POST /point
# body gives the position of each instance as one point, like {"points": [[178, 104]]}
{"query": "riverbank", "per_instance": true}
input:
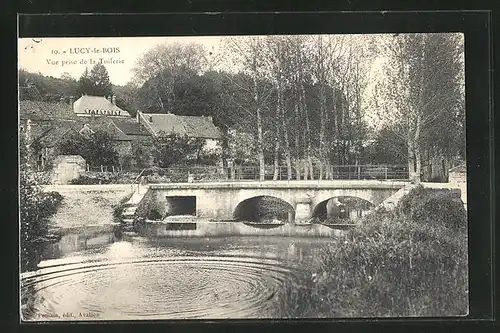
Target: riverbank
{"points": [[87, 205]]}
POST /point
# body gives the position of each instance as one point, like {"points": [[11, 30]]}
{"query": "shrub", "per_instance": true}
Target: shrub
{"points": [[430, 206], [49, 203], [120, 206], [174, 149], [442, 210], [36, 207], [92, 179], [153, 214]]}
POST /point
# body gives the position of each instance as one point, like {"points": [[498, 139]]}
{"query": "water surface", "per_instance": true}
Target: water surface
{"points": [[105, 276]]}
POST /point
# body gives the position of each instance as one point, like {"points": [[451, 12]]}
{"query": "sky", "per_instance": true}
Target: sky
{"points": [[62, 56], [55, 56]]}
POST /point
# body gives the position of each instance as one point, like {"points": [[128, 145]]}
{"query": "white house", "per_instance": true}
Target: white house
{"points": [[88, 105]]}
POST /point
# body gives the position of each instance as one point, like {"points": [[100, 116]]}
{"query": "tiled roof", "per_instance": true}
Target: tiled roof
{"points": [[38, 110], [120, 129], [130, 127], [98, 105], [194, 127], [55, 135], [54, 132], [117, 134]]}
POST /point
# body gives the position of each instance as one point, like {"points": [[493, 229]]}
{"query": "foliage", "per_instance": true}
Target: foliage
{"points": [[175, 149], [97, 148], [96, 177], [139, 156], [101, 178], [36, 86], [159, 71], [120, 206], [424, 94], [35, 208], [424, 205], [392, 265], [388, 148], [96, 82], [127, 98]]}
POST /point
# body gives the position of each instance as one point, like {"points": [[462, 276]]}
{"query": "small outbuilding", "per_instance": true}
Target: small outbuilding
{"points": [[67, 167]]}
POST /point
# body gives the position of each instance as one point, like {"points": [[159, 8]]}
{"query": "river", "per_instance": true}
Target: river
{"points": [[108, 275]]}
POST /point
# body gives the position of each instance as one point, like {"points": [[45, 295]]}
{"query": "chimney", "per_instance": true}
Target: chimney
{"points": [[113, 99], [150, 119], [108, 98], [137, 115], [71, 100]]}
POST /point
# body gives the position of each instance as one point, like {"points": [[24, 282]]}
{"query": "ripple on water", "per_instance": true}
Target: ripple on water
{"points": [[161, 288]]}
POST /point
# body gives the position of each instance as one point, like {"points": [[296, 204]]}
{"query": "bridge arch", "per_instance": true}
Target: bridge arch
{"points": [[260, 207], [340, 207]]}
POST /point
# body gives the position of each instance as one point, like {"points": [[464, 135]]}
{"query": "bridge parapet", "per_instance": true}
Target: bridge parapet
{"points": [[292, 184]]}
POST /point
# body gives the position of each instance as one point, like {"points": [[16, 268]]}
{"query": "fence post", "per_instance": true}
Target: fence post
{"points": [[386, 173], [359, 172], [101, 168], [113, 168]]}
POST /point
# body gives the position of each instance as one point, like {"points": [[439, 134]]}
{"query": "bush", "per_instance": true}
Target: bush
{"points": [[49, 203], [97, 148], [154, 215], [442, 210], [96, 178], [120, 206], [430, 206], [36, 207], [393, 264]]}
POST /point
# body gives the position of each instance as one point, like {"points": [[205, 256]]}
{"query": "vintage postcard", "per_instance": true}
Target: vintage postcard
{"points": [[242, 177]]}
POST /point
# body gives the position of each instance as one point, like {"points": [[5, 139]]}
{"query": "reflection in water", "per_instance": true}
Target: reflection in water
{"points": [[103, 277]]}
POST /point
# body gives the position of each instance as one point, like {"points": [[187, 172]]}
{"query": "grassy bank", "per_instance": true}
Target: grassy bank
{"points": [[409, 262], [88, 207]]}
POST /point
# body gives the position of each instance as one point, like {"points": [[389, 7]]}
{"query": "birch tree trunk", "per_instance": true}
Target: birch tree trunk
{"points": [[260, 145], [276, 153], [309, 166], [297, 139]]}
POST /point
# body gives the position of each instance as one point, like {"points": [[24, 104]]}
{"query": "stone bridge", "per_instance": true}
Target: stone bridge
{"points": [[220, 200]]}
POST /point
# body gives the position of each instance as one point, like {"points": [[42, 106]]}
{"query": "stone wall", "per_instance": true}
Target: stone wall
{"points": [[458, 176]]}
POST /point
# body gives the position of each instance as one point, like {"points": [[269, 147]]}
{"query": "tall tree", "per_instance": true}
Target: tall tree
{"points": [[249, 54], [160, 68], [96, 82], [425, 87]]}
